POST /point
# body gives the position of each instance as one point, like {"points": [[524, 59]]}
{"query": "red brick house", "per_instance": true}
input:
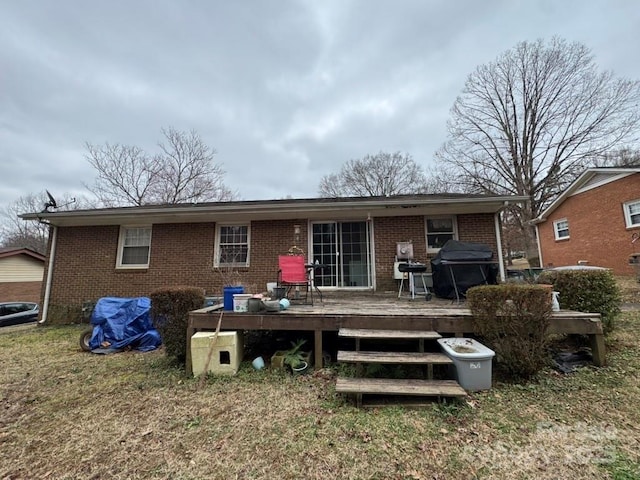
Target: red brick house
{"points": [[131, 251], [21, 273], [593, 222]]}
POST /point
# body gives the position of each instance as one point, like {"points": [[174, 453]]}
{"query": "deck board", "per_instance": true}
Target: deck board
{"points": [[404, 386], [373, 334], [406, 358]]}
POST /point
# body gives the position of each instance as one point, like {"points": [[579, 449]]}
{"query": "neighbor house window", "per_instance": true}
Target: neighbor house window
{"points": [[439, 231], [232, 246], [561, 229], [632, 213], [134, 247]]}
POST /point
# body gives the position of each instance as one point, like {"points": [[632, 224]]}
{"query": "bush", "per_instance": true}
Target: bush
{"points": [[513, 320], [170, 309], [593, 291]]}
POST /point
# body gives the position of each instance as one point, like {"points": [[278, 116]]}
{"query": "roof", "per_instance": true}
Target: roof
{"points": [[311, 208], [590, 178], [11, 251]]}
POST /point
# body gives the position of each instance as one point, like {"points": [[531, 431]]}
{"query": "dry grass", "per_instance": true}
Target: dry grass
{"points": [[66, 414]]}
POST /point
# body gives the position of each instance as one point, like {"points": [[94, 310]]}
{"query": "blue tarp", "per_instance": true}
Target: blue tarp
{"points": [[123, 322]]}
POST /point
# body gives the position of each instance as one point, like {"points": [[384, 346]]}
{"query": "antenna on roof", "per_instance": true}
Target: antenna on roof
{"points": [[51, 203]]}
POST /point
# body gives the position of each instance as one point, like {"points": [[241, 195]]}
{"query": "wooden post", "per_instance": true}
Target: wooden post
{"points": [[318, 348], [598, 349]]}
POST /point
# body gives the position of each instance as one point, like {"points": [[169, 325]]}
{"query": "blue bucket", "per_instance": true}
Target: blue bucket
{"points": [[229, 292]]}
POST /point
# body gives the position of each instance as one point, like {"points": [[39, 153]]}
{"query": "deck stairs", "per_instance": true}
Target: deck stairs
{"points": [[412, 391]]}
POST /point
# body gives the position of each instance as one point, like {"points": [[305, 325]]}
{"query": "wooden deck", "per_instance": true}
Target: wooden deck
{"points": [[384, 312]]}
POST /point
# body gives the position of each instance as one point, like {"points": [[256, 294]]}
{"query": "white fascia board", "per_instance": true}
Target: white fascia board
{"points": [[270, 211]]}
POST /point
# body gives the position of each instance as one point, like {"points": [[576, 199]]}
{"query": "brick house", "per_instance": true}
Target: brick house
{"points": [[21, 273], [131, 251], [593, 222]]}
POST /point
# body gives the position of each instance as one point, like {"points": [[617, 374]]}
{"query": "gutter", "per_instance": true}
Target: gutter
{"points": [[47, 287]]}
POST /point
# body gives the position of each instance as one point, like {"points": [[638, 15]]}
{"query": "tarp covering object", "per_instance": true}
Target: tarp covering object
{"points": [[466, 276], [123, 322]]}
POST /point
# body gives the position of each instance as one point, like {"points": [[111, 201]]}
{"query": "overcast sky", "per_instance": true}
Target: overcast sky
{"points": [[284, 91]]}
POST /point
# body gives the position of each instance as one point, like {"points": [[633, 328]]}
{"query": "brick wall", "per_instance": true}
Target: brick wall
{"points": [[597, 229], [20, 291], [183, 254], [477, 228]]}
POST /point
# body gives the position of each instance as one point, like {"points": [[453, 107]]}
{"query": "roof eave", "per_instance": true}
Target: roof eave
{"points": [[246, 211]]}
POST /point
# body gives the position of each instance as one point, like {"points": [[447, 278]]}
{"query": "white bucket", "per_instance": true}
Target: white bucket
{"points": [[271, 286], [241, 302]]}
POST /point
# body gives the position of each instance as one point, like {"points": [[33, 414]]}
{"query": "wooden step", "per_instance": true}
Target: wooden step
{"points": [[404, 358], [387, 386], [387, 334]]}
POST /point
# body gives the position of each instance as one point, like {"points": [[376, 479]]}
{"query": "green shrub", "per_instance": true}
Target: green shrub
{"points": [[513, 320], [593, 291], [170, 309]]}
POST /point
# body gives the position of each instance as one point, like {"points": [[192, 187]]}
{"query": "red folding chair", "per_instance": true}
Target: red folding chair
{"points": [[294, 277]]}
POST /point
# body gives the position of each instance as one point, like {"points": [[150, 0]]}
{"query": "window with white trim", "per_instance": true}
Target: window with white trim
{"points": [[232, 246], [134, 247], [439, 231], [561, 229], [632, 213]]}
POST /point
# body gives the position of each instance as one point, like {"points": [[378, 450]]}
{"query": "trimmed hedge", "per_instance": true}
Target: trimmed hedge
{"points": [[513, 320], [593, 291], [170, 309]]}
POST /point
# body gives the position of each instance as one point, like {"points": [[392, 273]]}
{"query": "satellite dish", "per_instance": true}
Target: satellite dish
{"points": [[51, 203]]}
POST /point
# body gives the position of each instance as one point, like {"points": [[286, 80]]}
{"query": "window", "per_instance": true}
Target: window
{"points": [[232, 247], [439, 231], [632, 213], [561, 229], [134, 247]]}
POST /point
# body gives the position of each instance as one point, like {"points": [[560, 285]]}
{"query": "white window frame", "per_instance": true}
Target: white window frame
{"points": [[454, 222], [557, 229], [627, 213], [121, 247], [216, 260]]}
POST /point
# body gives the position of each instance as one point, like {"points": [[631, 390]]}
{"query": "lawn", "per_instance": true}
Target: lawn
{"points": [[66, 414]]}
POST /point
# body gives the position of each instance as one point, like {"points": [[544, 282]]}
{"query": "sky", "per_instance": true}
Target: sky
{"points": [[285, 91]]}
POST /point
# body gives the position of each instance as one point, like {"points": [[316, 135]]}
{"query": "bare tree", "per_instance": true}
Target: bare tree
{"points": [[188, 172], [375, 175], [15, 232], [126, 175], [183, 171], [532, 120], [622, 157]]}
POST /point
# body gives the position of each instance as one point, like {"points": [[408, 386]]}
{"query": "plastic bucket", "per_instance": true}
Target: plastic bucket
{"points": [[228, 293], [271, 286], [241, 302], [258, 363], [279, 292]]}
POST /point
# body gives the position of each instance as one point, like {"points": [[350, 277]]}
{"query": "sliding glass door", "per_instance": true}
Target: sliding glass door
{"points": [[344, 248]]}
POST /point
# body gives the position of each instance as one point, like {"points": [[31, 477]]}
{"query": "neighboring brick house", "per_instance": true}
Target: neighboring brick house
{"points": [[21, 273], [594, 222], [131, 251]]}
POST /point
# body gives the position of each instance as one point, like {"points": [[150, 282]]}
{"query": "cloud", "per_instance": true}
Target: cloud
{"points": [[284, 91]]}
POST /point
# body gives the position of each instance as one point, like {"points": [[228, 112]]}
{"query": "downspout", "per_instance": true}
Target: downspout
{"points": [[496, 219], [539, 249], [47, 287]]}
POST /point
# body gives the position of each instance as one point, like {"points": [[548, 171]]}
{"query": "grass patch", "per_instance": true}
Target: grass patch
{"points": [[67, 414]]}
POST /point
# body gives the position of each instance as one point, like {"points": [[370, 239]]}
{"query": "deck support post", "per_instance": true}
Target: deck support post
{"points": [[598, 349], [317, 355]]}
